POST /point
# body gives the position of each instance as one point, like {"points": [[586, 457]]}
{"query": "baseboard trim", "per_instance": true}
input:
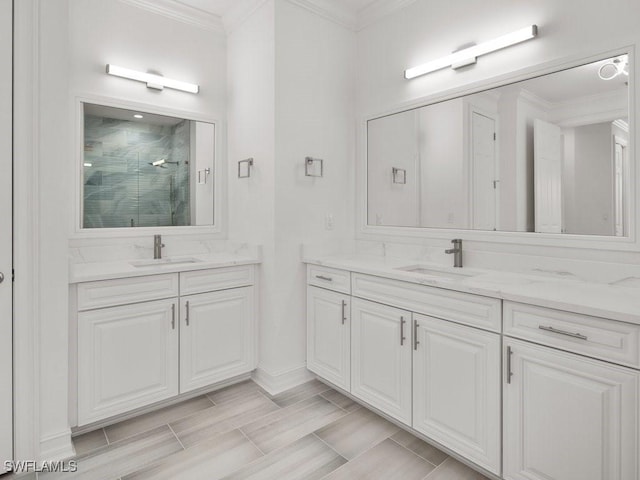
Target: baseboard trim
{"points": [[276, 383], [57, 446]]}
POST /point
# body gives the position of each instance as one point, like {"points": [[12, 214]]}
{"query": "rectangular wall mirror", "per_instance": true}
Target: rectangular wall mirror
{"points": [[549, 154], [145, 170]]}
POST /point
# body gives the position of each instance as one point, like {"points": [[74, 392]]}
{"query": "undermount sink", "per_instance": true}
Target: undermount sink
{"points": [[162, 261], [432, 272]]}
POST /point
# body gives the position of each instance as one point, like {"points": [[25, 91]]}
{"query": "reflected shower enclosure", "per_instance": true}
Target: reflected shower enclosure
{"points": [[138, 169]]}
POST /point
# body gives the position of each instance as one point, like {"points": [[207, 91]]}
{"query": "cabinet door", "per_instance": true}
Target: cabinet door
{"points": [[568, 417], [328, 335], [456, 388], [381, 357], [127, 358], [216, 337]]}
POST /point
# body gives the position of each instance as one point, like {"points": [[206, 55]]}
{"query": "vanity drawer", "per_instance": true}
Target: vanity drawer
{"points": [[601, 338], [201, 281], [465, 308], [331, 278], [122, 291]]}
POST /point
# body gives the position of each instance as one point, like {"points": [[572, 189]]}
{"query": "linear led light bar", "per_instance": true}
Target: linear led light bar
{"points": [[152, 80], [468, 56]]}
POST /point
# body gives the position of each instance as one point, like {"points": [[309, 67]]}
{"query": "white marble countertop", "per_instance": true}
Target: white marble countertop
{"points": [[91, 271], [618, 300]]}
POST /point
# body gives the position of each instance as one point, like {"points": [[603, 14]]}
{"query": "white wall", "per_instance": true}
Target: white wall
{"points": [[426, 30], [290, 96]]}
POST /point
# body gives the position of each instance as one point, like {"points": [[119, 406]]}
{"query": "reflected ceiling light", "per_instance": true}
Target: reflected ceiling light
{"points": [[617, 66], [152, 80], [467, 56], [137, 115]]}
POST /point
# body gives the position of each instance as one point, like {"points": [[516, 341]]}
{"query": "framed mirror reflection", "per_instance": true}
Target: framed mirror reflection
{"points": [[549, 154], [141, 169]]}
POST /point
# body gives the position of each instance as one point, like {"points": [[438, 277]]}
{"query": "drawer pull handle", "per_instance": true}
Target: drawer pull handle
{"points": [[563, 332], [173, 316], [415, 334], [186, 317], [344, 306], [402, 337], [322, 277], [509, 373]]}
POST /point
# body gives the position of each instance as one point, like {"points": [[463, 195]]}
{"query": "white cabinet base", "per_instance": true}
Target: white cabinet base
{"points": [[381, 357], [456, 389], [216, 337], [568, 417], [329, 335], [127, 358]]}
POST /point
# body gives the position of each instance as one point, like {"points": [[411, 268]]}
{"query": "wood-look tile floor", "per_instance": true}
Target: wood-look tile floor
{"points": [[241, 432]]}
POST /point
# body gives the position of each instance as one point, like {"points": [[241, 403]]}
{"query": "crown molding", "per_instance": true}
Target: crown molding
{"points": [[183, 13], [240, 12], [331, 10], [377, 10]]}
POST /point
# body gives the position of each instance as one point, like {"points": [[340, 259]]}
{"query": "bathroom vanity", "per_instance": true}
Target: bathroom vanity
{"points": [[506, 371], [150, 331]]}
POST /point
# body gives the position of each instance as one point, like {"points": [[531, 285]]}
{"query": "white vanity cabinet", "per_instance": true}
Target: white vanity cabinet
{"points": [[568, 416], [329, 335], [142, 340], [127, 358], [456, 388], [216, 337], [381, 357]]}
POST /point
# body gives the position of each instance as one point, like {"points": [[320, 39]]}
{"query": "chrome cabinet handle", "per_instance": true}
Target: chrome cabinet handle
{"points": [[344, 306], [402, 337], [186, 317], [1, 277], [173, 316], [509, 373], [322, 277], [415, 335], [563, 332]]}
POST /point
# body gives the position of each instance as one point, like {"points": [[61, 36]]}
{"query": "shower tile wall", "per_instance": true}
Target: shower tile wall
{"points": [[121, 186]]}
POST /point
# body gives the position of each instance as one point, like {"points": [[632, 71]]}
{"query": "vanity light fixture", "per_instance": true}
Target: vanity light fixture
{"points": [[468, 56], [152, 80]]}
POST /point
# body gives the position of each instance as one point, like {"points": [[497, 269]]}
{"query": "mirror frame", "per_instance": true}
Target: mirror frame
{"points": [[364, 231], [219, 172]]}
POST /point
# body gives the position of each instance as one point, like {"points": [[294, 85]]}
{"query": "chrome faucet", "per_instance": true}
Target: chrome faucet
{"points": [[457, 252], [157, 246]]}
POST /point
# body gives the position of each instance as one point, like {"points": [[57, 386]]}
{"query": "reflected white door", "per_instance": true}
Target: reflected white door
{"points": [[547, 148], [619, 188], [485, 177], [6, 309]]}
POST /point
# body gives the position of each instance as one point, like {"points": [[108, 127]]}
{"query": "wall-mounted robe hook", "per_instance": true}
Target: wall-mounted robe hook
{"points": [[244, 168], [399, 175], [313, 167]]}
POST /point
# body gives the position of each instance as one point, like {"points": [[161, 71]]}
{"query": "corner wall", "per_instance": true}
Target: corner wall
{"points": [[291, 96]]}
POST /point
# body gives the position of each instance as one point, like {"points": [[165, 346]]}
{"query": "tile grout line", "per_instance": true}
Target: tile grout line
{"points": [[252, 442], [431, 473], [417, 455], [337, 453], [334, 403], [175, 435]]}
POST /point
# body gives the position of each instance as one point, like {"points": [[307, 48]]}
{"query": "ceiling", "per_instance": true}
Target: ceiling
{"points": [[221, 7]]}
